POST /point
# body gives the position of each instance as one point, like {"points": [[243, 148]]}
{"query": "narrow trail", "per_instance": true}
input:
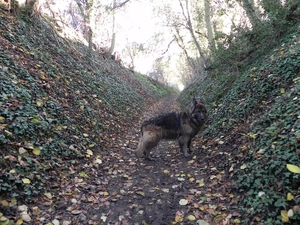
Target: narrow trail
{"points": [[119, 189]]}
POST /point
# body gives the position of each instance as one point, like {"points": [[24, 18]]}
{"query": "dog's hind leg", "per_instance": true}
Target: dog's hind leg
{"points": [[147, 142], [150, 141], [140, 151]]}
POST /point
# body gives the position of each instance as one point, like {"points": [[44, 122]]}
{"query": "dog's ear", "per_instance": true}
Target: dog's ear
{"points": [[193, 105]]}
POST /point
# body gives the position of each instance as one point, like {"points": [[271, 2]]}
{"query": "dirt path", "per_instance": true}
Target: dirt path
{"points": [[118, 189]]}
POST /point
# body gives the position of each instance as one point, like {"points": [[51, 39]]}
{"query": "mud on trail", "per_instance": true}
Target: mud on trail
{"points": [[119, 189]]}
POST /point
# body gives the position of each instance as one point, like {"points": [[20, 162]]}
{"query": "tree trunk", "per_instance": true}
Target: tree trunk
{"points": [[210, 35], [113, 38], [191, 30], [180, 43]]}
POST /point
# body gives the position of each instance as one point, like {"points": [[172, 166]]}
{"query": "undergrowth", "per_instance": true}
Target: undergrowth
{"points": [[260, 105], [57, 105]]}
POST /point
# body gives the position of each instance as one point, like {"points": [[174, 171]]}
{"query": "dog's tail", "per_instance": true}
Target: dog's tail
{"points": [[139, 152]]}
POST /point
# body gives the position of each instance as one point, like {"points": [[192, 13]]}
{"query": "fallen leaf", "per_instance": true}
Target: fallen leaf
{"points": [[290, 213], [284, 216], [36, 151], [202, 222], [39, 102], [4, 203], [289, 197], [178, 219], [293, 168], [76, 212], [26, 181], [191, 217], [25, 217], [201, 183], [183, 202], [166, 171], [22, 150]]}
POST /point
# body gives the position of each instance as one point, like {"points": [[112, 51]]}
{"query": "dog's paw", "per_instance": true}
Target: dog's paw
{"points": [[149, 158], [186, 155]]}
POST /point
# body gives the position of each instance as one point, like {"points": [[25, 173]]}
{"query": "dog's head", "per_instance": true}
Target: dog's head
{"points": [[197, 112]]}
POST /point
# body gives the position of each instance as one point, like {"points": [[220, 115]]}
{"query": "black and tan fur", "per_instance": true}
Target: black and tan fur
{"points": [[182, 126]]}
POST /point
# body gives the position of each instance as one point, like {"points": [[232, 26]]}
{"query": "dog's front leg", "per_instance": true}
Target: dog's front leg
{"points": [[183, 144], [189, 146]]}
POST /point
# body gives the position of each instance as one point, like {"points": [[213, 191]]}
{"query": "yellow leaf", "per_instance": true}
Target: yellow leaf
{"points": [[92, 145], [141, 193], [4, 203], [26, 181], [13, 202], [282, 91], [201, 183], [85, 135], [201, 208], [178, 219], [251, 135], [2, 126], [289, 197], [36, 151], [1, 119], [39, 102], [166, 172], [83, 174], [12, 171], [281, 53], [58, 127], [236, 221], [19, 222], [293, 168], [89, 152], [219, 218], [48, 195], [192, 179], [191, 218], [36, 119], [284, 216], [36, 210]]}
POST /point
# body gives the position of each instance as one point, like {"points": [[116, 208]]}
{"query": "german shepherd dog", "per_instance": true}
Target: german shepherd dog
{"points": [[182, 126]]}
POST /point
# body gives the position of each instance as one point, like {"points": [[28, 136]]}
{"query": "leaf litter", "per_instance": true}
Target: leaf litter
{"points": [[113, 187]]}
